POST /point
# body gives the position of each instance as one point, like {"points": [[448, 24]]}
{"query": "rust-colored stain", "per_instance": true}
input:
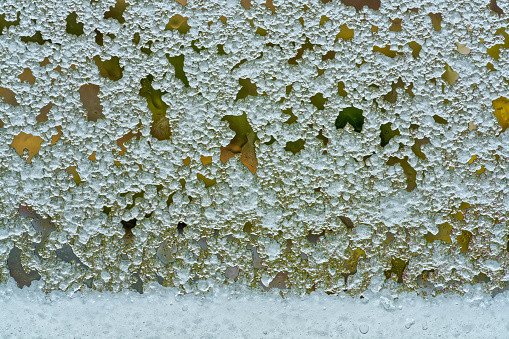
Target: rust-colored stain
{"points": [[436, 20], [270, 5], [206, 160], [56, 137], [359, 4], [126, 138], [243, 142], [44, 62]]}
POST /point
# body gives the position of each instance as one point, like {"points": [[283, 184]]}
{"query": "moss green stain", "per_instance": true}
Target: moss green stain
{"points": [[160, 128], [307, 45], [109, 68], [351, 263], [494, 51], [196, 48], [240, 125], [147, 49], [295, 146], [73, 27], [178, 63], [410, 172], [220, 49], [341, 89], [208, 182], [116, 12], [481, 278], [136, 38], [351, 115], [443, 234], [387, 133], [416, 148], [397, 267], [37, 38], [292, 118], [135, 196], [248, 88], [318, 101], [464, 240], [179, 23], [6, 24], [243, 142], [439, 120]]}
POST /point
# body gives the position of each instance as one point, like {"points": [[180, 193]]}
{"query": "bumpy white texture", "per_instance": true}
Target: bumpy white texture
{"points": [[290, 196], [248, 314]]}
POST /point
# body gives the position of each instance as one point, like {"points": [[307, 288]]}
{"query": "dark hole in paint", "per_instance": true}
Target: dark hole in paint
{"points": [[180, 227], [128, 226]]}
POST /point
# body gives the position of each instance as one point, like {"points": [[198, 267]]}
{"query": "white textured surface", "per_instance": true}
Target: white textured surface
{"points": [[249, 315], [290, 195]]}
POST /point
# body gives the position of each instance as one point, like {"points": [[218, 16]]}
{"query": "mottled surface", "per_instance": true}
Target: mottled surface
{"points": [[349, 145]]}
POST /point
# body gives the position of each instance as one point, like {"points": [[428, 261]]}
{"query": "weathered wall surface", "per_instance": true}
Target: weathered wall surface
{"points": [[293, 145]]}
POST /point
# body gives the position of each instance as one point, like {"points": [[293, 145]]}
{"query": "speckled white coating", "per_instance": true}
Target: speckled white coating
{"points": [[290, 195]]}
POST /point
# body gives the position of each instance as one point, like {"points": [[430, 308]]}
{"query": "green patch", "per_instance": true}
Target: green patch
{"points": [[410, 172], [439, 120], [6, 24], [307, 45], [178, 63], [387, 133], [243, 142], [73, 27], [494, 51], [341, 89], [147, 49], [179, 23], [397, 267], [109, 68], [196, 48], [351, 115], [116, 12], [464, 240], [443, 234], [37, 38], [292, 117], [220, 49], [295, 146], [248, 88], [318, 101], [416, 148], [160, 128], [208, 182]]}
